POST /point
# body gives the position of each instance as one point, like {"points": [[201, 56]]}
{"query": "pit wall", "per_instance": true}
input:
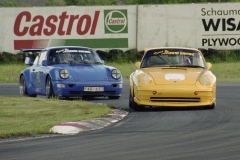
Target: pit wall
{"points": [[215, 26]]}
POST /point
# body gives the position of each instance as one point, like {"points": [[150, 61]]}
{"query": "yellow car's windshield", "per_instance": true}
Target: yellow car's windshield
{"points": [[173, 57]]}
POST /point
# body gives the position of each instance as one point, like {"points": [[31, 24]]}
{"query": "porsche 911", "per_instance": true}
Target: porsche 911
{"points": [[172, 77], [69, 71]]}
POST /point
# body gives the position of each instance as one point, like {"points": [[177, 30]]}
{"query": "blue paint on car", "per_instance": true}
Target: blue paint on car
{"points": [[69, 71]]}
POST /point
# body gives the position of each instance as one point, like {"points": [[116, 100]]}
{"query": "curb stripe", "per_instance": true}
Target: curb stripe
{"points": [[83, 126]]}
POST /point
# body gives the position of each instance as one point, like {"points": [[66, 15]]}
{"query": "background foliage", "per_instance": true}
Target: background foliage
{"points": [[117, 55], [24, 3]]}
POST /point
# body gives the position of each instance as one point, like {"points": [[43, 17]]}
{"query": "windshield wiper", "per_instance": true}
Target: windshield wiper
{"points": [[191, 66], [81, 62], [164, 60], [97, 63]]}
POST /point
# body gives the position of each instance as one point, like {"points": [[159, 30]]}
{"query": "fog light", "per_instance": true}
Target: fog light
{"points": [[154, 92], [60, 85], [120, 85]]}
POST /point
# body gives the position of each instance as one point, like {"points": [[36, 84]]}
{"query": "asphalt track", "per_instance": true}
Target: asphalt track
{"points": [[157, 133]]}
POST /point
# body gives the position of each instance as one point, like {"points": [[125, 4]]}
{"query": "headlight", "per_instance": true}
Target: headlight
{"points": [[116, 74], [64, 73], [143, 80], [205, 80]]}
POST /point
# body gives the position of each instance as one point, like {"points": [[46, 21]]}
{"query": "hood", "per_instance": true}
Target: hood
{"points": [[89, 72], [177, 75]]}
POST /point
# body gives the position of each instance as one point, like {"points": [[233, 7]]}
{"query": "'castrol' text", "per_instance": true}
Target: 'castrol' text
{"points": [[63, 24]]}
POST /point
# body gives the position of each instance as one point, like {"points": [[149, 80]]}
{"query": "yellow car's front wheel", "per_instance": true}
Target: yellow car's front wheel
{"points": [[210, 107], [133, 104]]}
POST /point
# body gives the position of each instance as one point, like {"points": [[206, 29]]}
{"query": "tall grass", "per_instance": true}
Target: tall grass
{"points": [[226, 65], [226, 71], [223, 56], [131, 2], [10, 72]]}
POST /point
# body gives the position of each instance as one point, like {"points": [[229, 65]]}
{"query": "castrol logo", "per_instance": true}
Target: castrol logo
{"points": [[63, 24], [115, 21]]}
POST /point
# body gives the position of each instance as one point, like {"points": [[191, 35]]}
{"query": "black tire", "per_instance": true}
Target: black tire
{"points": [[134, 105], [210, 107], [64, 98], [49, 88], [113, 97], [23, 87], [130, 99]]}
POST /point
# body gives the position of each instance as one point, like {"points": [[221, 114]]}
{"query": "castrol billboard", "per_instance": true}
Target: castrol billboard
{"points": [[209, 25], [98, 27], [215, 26]]}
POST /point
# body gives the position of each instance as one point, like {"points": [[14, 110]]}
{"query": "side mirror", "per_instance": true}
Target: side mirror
{"points": [[44, 63], [137, 64], [28, 61], [209, 65]]}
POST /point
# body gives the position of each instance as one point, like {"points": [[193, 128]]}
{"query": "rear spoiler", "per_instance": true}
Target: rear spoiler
{"points": [[26, 50]]}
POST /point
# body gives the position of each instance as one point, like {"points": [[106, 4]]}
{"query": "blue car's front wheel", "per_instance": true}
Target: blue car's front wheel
{"points": [[49, 88], [113, 97]]}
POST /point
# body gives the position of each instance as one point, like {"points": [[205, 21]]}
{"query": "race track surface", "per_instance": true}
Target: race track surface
{"points": [[156, 133]]}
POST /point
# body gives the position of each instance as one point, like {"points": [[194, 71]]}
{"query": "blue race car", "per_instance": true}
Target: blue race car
{"points": [[69, 71]]}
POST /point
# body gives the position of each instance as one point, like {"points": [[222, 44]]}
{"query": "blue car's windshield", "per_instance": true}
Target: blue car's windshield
{"points": [[73, 56]]}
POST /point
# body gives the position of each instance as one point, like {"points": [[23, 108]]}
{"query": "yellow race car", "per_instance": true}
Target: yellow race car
{"points": [[172, 77]]}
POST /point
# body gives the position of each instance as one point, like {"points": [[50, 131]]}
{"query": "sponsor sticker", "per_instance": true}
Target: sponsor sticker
{"points": [[115, 21], [174, 77]]}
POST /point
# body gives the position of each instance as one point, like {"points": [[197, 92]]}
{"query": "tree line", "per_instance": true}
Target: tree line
{"points": [[29, 3]]}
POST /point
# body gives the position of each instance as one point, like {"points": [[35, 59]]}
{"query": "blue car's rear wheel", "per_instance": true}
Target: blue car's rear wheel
{"points": [[23, 87]]}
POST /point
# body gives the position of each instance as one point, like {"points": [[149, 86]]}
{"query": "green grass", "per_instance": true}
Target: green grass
{"points": [[224, 71], [227, 71], [10, 72], [31, 116]]}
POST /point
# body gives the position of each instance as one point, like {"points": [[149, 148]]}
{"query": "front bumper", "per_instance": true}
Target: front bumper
{"points": [[76, 89], [175, 96]]}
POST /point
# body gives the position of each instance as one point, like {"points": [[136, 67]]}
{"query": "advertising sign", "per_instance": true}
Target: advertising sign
{"points": [[99, 27], [214, 26], [220, 26]]}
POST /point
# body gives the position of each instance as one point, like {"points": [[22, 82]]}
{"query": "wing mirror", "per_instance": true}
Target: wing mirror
{"points": [[209, 65], [137, 64], [44, 63]]}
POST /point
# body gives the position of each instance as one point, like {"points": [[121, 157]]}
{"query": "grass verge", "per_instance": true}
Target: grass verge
{"points": [[32, 116], [227, 71], [224, 71]]}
